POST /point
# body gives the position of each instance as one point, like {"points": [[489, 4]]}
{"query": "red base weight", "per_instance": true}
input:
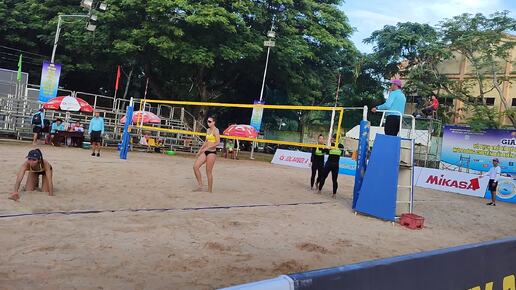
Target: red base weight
{"points": [[412, 221]]}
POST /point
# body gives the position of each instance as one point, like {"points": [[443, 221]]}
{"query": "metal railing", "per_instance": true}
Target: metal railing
{"points": [[412, 130], [16, 115]]}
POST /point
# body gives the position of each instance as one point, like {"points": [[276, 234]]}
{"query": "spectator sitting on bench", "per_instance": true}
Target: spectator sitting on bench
{"points": [[56, 126], [151, 143], [229, 148], [143, 141], [432, 106], [74, 127], [154, 144]]}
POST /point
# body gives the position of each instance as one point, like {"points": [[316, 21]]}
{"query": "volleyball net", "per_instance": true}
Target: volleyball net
{"points": [[329, 119]]}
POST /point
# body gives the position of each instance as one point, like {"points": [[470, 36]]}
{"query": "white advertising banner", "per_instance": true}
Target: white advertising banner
{"points": [[451, 181], [292, 158]]}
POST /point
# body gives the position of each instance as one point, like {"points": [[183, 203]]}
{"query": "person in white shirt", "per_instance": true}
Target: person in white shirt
{"points": [[494, 172]]}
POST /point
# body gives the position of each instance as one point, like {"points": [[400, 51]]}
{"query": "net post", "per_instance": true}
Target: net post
{"points": [[363, 147], [126, 138], [339, 124], [331, 127]]}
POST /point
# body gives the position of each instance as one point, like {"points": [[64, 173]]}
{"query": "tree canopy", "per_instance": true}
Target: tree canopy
{"points": [[196, 50], [416, 51], [212, 50]]}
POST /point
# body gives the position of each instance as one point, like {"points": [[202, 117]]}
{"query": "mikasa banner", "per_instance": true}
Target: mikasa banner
{"points": [[451, 181]]}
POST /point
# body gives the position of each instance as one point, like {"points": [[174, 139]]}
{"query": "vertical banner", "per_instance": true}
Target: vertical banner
{"points": [[256, 118], [363, 146], [49, 81]]}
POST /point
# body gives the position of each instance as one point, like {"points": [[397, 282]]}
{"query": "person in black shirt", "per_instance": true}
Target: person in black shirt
{"points": [[332, 165], [317, 161]]}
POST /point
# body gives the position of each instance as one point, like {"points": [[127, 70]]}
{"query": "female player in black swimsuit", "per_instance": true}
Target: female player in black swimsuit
{"points": [[332, 165], [207, 154], [35, 166], [317, 160]]}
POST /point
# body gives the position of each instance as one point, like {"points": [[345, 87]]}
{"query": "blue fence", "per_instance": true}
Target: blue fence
{"points": [[489, 265]]}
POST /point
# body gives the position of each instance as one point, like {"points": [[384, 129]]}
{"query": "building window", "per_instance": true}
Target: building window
{"points": [[446, 101], [472, 100], [514, 102], [490, 101]]}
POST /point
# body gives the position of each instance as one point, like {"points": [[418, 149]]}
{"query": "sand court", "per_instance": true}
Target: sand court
{"points": [[136, 224]]}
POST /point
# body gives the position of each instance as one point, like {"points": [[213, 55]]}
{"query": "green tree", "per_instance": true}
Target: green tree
{"points": [[485, 44], [416, 51], [413, 51], [197, 50]]}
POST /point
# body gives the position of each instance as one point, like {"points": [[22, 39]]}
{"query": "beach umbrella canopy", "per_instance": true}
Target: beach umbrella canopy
{"points": [[68, 103], [245, 131], [147, 117]]}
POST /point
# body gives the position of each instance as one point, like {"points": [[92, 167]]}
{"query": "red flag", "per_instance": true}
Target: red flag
{"points": [[117, 77]]}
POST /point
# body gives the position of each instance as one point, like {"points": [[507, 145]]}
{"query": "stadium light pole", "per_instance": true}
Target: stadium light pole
{"points": [[58, 31], [269, 43], [90, 26], [271, 34]]}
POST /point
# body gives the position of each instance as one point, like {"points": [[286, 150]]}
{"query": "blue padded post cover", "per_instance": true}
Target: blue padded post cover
{"points": [[378, 193]]}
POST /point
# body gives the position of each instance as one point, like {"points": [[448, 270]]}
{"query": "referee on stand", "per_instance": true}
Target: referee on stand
{"points": [[395, 102]]}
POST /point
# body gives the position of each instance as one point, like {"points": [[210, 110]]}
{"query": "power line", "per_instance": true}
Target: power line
{"points": [[25, 60], [24, 56], [23, 51], [15, 60]]}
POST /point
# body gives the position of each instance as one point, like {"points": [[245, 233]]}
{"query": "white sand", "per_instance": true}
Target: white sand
{"points": [[203, 249]]}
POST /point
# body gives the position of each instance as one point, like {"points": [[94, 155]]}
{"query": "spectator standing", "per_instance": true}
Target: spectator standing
{"points": [[96, 130], [38, 123], [494, 172]]}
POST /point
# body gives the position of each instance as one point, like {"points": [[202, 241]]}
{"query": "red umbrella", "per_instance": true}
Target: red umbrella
{"points": [[68, 103], [246, 131], [147, 117]]}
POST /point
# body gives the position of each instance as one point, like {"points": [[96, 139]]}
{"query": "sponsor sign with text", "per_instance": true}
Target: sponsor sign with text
{"points": [[451, 181]]}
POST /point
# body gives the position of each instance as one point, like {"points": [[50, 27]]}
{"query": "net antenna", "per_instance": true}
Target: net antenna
{"points": [[333, 115]]}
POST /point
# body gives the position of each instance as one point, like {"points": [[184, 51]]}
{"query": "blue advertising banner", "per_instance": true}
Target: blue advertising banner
{"points": [[347, 166], [478, 149], [49, 81], [256, 117], [506, 189]]}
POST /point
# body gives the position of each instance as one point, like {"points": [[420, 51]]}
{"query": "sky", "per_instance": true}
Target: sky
{"points": [[367, 16]]}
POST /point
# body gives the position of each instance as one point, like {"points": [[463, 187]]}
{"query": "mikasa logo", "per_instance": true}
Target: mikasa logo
{"points": [[440, 180]]}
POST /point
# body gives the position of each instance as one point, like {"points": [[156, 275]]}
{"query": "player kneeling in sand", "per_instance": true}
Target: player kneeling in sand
{"points": [[35, 166]]}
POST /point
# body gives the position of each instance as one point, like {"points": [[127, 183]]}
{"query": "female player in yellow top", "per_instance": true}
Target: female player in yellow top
{"points": [[207, 154]]}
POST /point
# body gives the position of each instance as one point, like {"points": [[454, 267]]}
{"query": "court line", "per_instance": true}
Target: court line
{"points": [[78, 212]]}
